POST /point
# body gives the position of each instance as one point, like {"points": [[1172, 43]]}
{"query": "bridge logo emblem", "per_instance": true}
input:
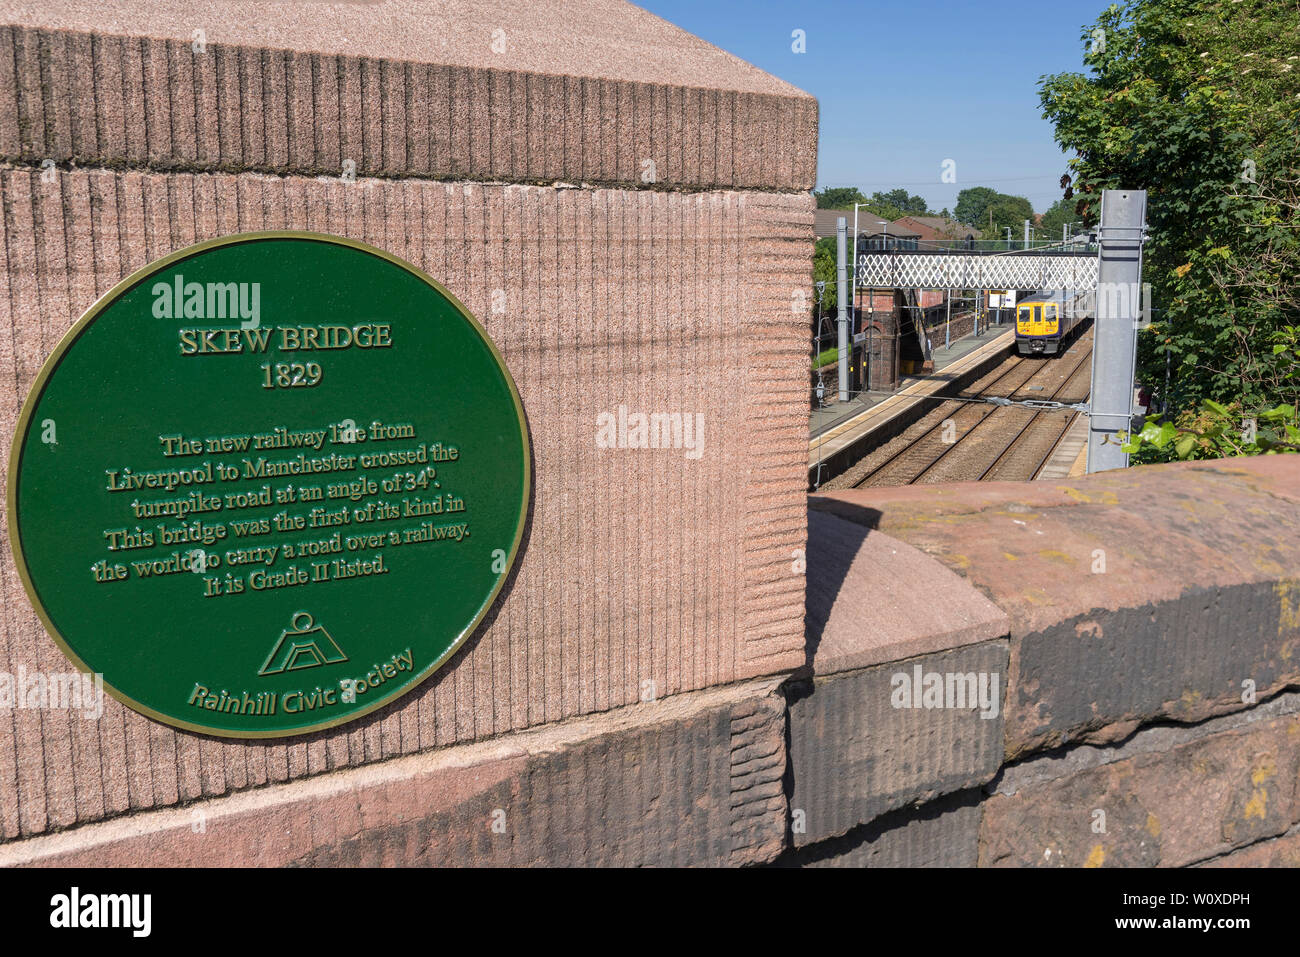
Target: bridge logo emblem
{"points": [[304, 644]]}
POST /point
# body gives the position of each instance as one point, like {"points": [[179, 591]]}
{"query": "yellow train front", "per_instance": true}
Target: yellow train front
{"points": [[1045, 319]]}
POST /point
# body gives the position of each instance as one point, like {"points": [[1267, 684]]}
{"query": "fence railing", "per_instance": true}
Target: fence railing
{"points": [[903, 244]]}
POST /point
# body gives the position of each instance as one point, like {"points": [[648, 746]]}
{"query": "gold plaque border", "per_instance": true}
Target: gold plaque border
{"points": [[82, 324]]}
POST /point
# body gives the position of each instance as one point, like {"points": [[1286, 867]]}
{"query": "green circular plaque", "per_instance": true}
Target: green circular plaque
{"points": [[268, 484]]}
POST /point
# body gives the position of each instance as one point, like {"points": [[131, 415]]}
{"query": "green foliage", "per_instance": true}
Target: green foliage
{"points": [[826, 357], [899, 199], [972, 202], [1213, 431], [1007, 211], [892, 205], [824, 271], [873, 211], [1196, 101], [990, 211], [837, 197], [1058, 215]]}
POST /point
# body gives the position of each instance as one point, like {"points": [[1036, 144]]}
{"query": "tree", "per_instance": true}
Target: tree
{"points": [[824, 270], [971, 204], [906, 204], [875, 211], [892, 205], [976, 203], [1002, 214], [1195, 102], [1058, 215], [838, 197]]}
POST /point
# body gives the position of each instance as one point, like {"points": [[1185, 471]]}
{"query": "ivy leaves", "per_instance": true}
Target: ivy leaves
{"points": [[1214, 431]]}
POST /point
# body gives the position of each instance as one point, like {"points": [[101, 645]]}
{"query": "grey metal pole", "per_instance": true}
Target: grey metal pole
{"points": [[1114, 336], [1026, 234], [841, 227]]}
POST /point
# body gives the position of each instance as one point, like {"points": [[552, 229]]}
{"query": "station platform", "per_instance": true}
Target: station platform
{"points": [[823, 420], [835, 437], [945, 356], [1070, 458]]}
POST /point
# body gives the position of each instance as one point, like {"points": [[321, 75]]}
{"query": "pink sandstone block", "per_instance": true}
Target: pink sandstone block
{"points": [[642, 568], [301, 88], [1281, 851], [873, 599], [640, 572], [1122, 589], [641, 786], [1170, 797]]}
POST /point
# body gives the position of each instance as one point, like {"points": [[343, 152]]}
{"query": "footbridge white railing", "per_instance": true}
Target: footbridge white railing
{"points": [[1026, 269]]}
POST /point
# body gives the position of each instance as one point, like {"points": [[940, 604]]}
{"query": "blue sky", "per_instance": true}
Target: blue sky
{"points": [[906, 84]]}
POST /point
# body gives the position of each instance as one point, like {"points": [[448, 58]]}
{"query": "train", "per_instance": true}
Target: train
{"points": [[1045, 319]]}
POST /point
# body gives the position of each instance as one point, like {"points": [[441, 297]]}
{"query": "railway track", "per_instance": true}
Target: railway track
{"points": [[977, 441], [1026, 448]]}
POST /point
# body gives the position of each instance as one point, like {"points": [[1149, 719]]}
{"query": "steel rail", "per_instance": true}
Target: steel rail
{"points": [[1020, 360], [971, 429], [1029, 424]]}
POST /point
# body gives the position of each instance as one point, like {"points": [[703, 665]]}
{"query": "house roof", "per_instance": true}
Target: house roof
{"points": [[938, 227], [824, 224]]}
